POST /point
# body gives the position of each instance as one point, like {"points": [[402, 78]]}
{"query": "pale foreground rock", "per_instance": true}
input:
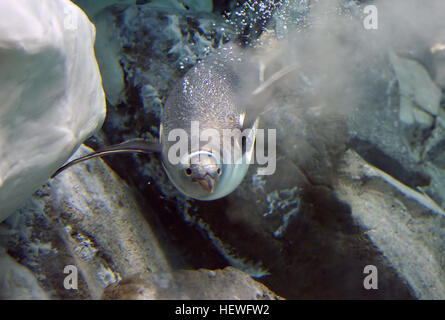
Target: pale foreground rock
{"points": [[406, 226], [17, 282], [87, 217], [226, 284], [50, 92]]}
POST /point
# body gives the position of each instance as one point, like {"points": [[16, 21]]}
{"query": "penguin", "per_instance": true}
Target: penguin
{"points": [[209, 97]]}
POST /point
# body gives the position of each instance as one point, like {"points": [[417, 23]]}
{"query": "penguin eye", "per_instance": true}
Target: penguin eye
{"points": [[218, 171], [188, 172]]}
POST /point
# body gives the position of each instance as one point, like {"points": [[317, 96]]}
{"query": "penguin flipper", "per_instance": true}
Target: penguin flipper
{"points": [[131, 146]]}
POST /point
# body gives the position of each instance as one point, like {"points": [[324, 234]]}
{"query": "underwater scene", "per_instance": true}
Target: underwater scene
{"points": [[222, 150]]}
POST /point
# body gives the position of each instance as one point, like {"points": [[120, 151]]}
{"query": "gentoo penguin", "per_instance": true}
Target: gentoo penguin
{"points": [[206, 102]]}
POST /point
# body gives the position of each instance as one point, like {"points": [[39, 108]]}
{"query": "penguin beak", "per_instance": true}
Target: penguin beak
{"points": [[208, 183]]}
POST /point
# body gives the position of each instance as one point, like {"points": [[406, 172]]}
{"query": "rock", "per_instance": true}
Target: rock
{"points": [[17, 282], [436, 170], [86, 217], [94, 7], [51, 93], [410, 114], [91, 8], [183, 5], [202, 284], [108, 53], [416, 89], [441, 117], [406, 225]]}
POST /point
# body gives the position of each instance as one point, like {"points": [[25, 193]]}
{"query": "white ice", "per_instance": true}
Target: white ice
{"points": [[51, 96]]}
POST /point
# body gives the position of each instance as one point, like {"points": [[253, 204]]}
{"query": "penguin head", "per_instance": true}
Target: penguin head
{"points": [[204, 169], [197, 175], [208, 173]]}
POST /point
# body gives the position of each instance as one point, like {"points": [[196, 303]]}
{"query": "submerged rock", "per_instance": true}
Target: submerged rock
{"points": [[417, 90], [86, 217], [406, 225], [226, 284], [419, 101]]}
